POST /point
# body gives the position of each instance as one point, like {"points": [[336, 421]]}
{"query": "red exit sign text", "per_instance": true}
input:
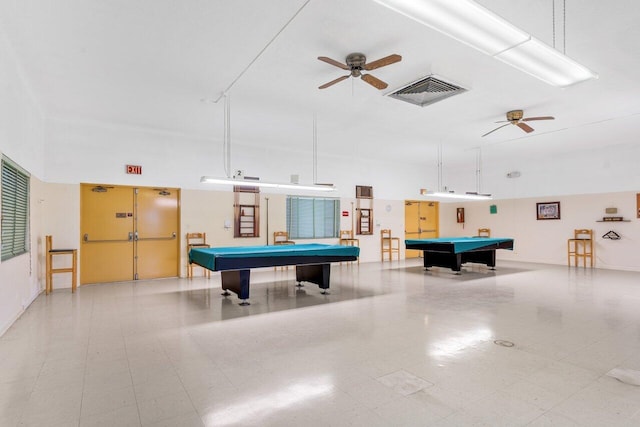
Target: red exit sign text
{"points": [[134, 169]]}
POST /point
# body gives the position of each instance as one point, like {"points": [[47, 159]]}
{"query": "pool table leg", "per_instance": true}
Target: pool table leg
{"points": [[316, 273], [236, 281], [442, 259]]}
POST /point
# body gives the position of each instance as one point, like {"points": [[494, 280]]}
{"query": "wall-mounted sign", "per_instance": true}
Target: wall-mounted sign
{"points": [[345, 213], [134, 169]]}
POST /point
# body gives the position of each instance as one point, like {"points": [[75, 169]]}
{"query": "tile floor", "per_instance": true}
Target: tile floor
{"points": [[391, 346]]}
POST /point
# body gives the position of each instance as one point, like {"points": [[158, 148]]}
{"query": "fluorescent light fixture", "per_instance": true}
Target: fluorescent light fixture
{"points": [[544, 62], [463, 20], [264, 184], [478, 27], [452, 195]]}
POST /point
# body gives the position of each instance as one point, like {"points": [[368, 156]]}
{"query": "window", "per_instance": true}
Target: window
{"points": [[15, 210], [312, 218]]}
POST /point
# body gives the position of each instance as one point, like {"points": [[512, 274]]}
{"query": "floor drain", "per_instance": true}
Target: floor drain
{"points": [[504, 343]]}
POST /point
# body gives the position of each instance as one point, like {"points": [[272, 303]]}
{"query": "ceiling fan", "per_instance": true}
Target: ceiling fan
{"points": [[356, 63], [515, 118]]}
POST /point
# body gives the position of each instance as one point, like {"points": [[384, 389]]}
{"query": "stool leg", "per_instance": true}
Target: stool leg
{"points": [[48, 274], [74, 280]]}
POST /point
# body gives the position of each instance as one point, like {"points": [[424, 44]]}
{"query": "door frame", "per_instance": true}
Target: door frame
{"points": [[133, 188]]}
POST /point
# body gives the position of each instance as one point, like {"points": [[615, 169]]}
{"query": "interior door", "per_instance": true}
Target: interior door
{"points": [[421, 222], [429, 220], [157, 244], [411, 225], [106, 231]]}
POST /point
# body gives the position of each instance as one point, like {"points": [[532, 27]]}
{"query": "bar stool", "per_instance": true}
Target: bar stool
{"points": [[387, 244], [196, 240], [484, 232], [50, 253], [581, 246], [347, 239], [282, 238]]}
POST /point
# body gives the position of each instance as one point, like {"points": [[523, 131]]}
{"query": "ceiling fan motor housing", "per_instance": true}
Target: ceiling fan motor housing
{"points": [[515, 115], [356, 62]]}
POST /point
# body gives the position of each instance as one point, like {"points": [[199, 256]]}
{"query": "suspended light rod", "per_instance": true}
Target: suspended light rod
{"points": [[266, 184]]}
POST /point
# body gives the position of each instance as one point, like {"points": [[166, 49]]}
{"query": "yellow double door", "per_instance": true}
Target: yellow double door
{"points": [[421, 222], [128, 233]]}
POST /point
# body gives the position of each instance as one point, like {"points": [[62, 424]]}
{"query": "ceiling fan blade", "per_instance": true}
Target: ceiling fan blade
{"points": [[332, 82], [528, 119], [375, 82], [499, 127], [387, 60], [525, 127], [333, 62]]}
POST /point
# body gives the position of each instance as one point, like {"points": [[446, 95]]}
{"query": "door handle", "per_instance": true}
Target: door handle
{"points": [[173, 236], [428, 231], [86, 239]]}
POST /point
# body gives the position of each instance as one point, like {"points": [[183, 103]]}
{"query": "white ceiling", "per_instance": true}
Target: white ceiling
{"points": [[149, 63]]}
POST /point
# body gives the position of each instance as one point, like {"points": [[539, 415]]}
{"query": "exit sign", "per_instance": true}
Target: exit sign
{"points": [[134, 169]]}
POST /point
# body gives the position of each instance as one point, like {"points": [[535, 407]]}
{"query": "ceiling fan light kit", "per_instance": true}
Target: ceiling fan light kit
{"points": [[472, 24]]}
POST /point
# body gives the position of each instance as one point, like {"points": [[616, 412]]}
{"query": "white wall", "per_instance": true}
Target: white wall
{"points": [[545, 241], [22, 129], [97, 153]]}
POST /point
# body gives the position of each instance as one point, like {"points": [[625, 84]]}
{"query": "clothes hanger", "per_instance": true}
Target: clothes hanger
{"points": [[612, 235]]}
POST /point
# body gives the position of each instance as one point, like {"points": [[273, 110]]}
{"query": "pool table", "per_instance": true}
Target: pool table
{"points": [[312, 261], [452, 252]]}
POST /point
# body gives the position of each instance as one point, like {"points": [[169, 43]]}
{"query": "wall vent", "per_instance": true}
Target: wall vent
{"points": [[427, 90]]}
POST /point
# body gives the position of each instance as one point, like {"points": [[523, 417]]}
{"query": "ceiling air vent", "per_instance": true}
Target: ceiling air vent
{"points": [[427, 90]]}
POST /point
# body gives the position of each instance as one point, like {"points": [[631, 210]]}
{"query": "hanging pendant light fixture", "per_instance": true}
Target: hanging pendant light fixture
{"points": [[238, 179], [443, 193]]}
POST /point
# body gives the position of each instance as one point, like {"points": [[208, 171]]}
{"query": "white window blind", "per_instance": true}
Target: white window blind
{"points": [[15, 210], [312, 217]]}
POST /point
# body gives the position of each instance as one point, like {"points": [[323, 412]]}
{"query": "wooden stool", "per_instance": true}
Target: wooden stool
{"points": [[282, 238], [347, 239], [484, 232], [50, 270], [581, 246], [387, 246], [196, 240]]}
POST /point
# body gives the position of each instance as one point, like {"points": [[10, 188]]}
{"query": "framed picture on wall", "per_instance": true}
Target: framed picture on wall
{"points": [[548, 210]]}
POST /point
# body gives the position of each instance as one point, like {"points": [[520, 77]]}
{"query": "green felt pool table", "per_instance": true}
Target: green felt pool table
{"points": [[312, 261], [452, 252]]}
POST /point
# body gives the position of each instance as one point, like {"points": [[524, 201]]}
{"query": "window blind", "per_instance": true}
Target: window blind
{"points": [[14, 187], [312, 217]]}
